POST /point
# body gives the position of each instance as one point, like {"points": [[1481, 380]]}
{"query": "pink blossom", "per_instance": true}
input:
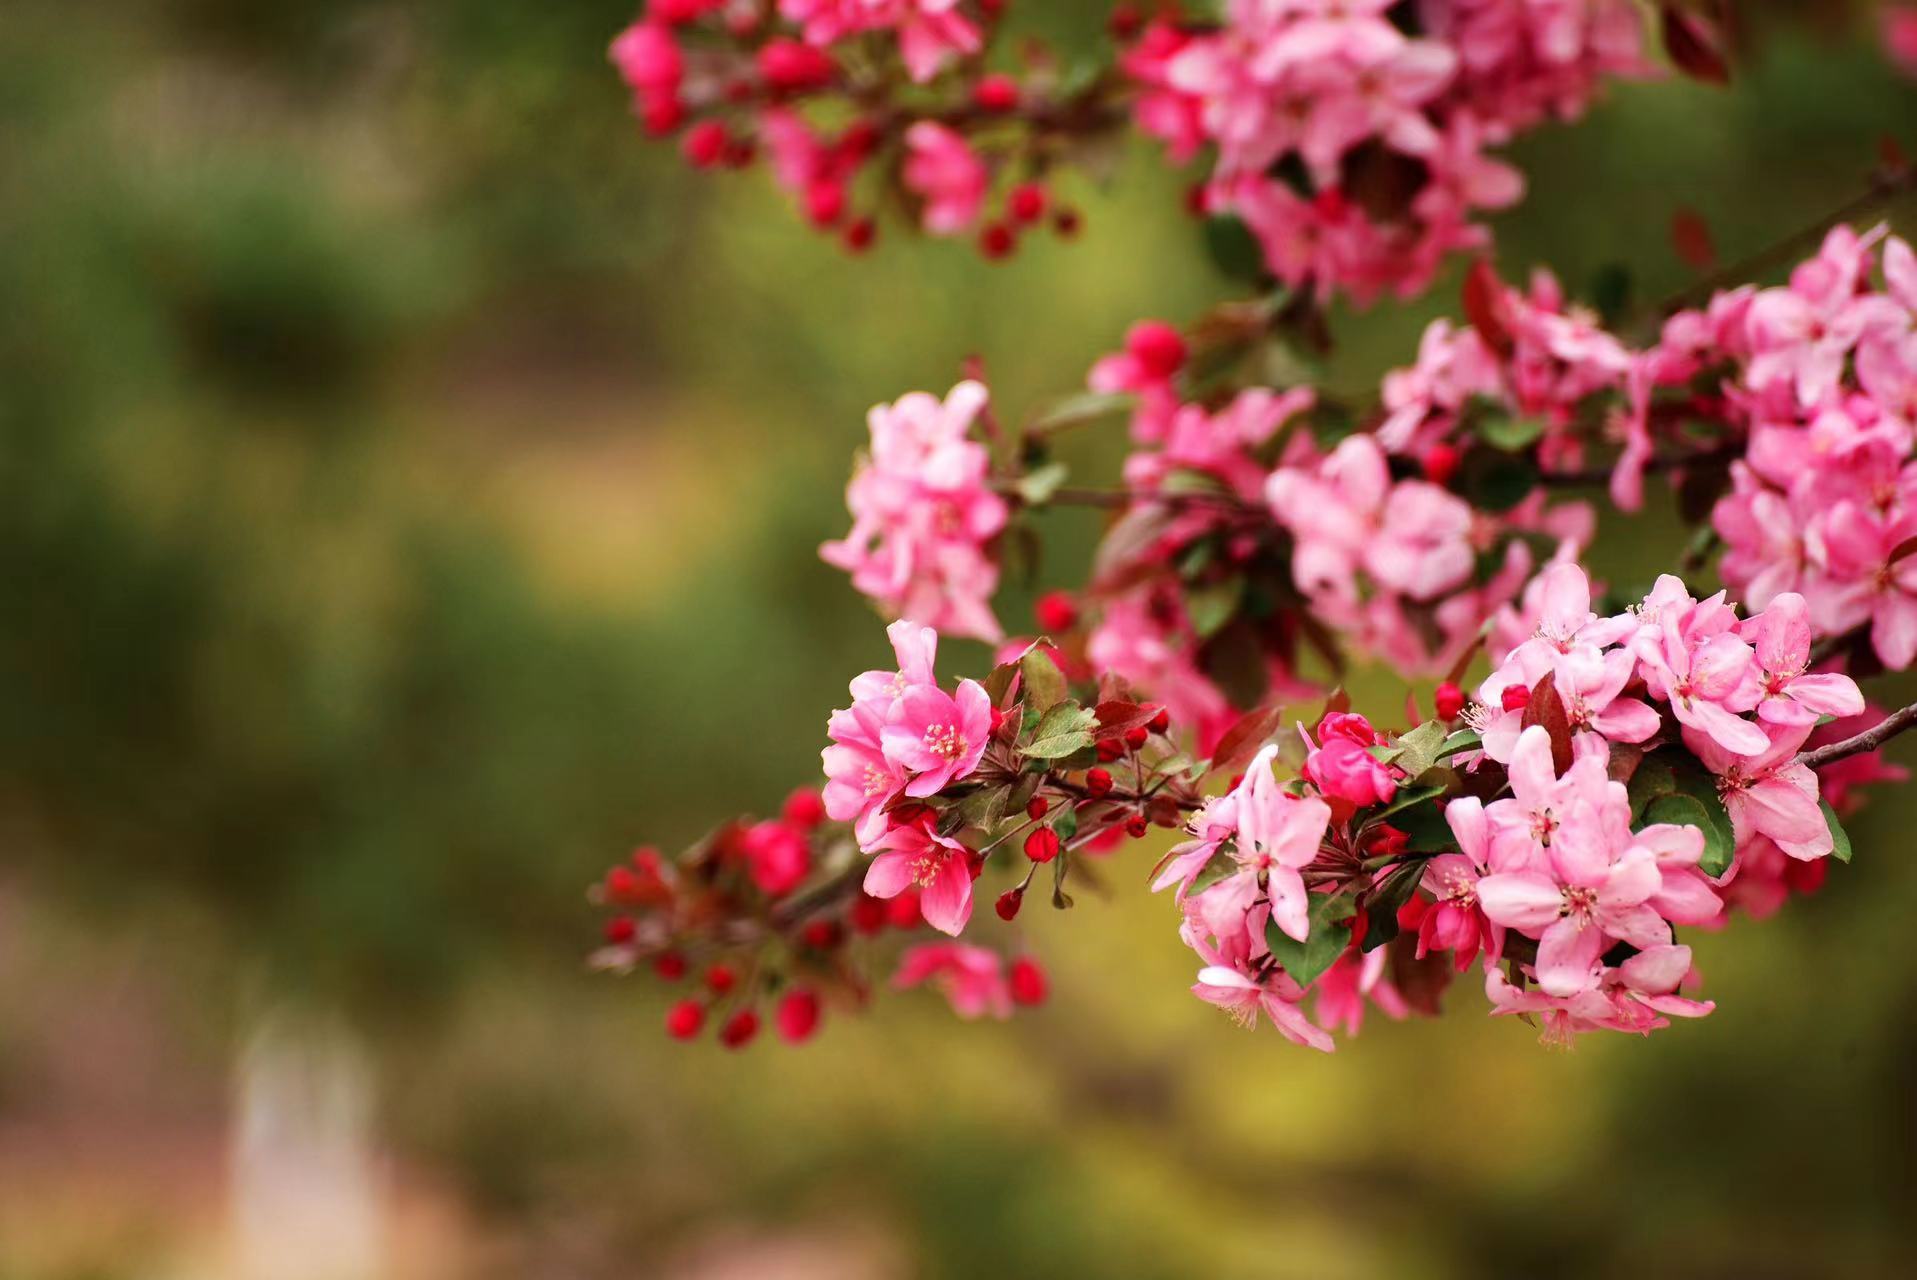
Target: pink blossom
{"points": [[1767, 792], [1278, 835], [777, 856], [913, 856], [648, 58], [938, 736], [1639, 997], [1345, 771], [1456, 922], [944, 171], [1781, 643], [1354, 980], [1277, 996], [1699, 677], [971, 978]]}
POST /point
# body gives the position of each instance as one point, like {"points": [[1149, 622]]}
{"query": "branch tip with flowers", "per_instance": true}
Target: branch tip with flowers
{"points": [[1627, 768]]}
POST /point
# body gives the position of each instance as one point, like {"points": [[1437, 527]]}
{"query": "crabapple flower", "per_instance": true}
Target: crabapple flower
{"points": [[1276, 997], [936, 735], [924, 515], [1278, 833], [944, 171], [913, 857], [930, 32], [1767, 792], [1780, 637], [1456, 921], [1638, 996], [778, 856], [971, 978]]}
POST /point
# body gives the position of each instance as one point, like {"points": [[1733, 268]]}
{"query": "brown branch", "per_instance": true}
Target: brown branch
{"points": [[1869, 740], [1118, 499]]}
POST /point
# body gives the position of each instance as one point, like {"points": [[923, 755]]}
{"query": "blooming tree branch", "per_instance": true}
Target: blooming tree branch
{"points": [[1869, 740]]}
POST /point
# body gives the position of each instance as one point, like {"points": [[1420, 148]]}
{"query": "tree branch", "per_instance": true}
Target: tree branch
{"points": [[1869, 740]]}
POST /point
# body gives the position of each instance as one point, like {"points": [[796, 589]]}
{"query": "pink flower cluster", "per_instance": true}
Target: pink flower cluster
{"points": [[924, 515], [1392, 565], [930, 32], [1356, 152], [1820, 376], [1526, 354], [975, 980], [903, 736], [1741, 693]]}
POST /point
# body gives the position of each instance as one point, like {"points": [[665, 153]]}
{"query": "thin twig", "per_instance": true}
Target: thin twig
{"points": [[1869, 740]]}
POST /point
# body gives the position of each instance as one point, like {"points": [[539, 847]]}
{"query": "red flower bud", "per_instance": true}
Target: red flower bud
{"points": [[997, 241], [1098, 782], [1042, 844], [721, 979], [1156, 346], [669, 965], [620, 929], [996, 92], [1161, 722], [1055, 611], [1038, 808], [903, 911], [739, 1029], [804, 809], [1008, 903], [823, 935], [868, 915], [1448, 701], [1440, 463], [1516, 698], [824, 202], [792, 65], [798, 1015], [1066, 222], [684, 1019], [1028, 981], [860, 234], [704, 144], [1136, 736], [1026, 204], [1110, 749], [1136, 826], [1125, 22], [1411, 914]]}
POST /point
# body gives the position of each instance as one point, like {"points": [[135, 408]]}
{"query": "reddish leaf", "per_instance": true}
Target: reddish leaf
{"points": [[1241, 742], [1482, 306], [1547, 709], [1902, 549], [1691, 237], [1420, 982], [1695, 45], [1115, 716]]}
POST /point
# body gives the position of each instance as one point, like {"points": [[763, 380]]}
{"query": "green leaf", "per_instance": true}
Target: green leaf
{"points": [[1502, 431], [1037, 486], [1425, 830], [1391, 893], [1328, 935], [1066, 824], [1079, 410], [1060, 899], [1044, 682], [1496, 481], [1407, 797], [1064, 729], [1462, 740], [982, 809], [1652, 779], [1839, 838], [1233, 249], [1214, 604], [1688, 810], [1418, 748]]}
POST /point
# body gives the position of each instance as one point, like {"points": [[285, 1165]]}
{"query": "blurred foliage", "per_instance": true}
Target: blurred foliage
{"points": [[409, 483]]}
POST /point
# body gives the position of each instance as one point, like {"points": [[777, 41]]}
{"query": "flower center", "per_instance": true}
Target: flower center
{"points": [[877, 780], [945, 741], [1580, 903]]}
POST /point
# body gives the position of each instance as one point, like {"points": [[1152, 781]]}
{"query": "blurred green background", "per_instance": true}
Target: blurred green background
{"points": [[410, 483]]}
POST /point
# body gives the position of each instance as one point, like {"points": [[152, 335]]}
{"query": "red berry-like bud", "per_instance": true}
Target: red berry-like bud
{"points": [[1038, 808], [804, 809], [1008, 903], [720, 979], [684, 1019], [1411, 914], [997, 241], [798, 1015], [860, 234], [1137, 736], [996, 92], [620, 929], [1197, 201], [859, 138], [1067, 222], [868, 916], [903, 911], [704, 144], [1042, 844], [824, 203], [1136, 826], [1385, 839], [1055, 611], [1161, 722], [1448, 701], [1440, 462], [1026, 203], [669, 965], [1158, 347], [1516, 698], [1125, 22], [823, 935], [661, 115], [1109, 749], [739, 1029], [1098, 782], [793, 65], [1028, 982], [740, 152]]}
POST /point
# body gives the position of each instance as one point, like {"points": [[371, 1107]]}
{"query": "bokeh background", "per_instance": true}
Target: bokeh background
{"points": [[410, 483]]}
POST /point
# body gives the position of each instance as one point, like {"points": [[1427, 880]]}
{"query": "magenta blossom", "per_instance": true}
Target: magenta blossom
{"points": [[1277, 996], [1767, 792], [944, 171], [1781, 642], [914, 856], [938, 736], [1278, 835], [971, 978]]}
